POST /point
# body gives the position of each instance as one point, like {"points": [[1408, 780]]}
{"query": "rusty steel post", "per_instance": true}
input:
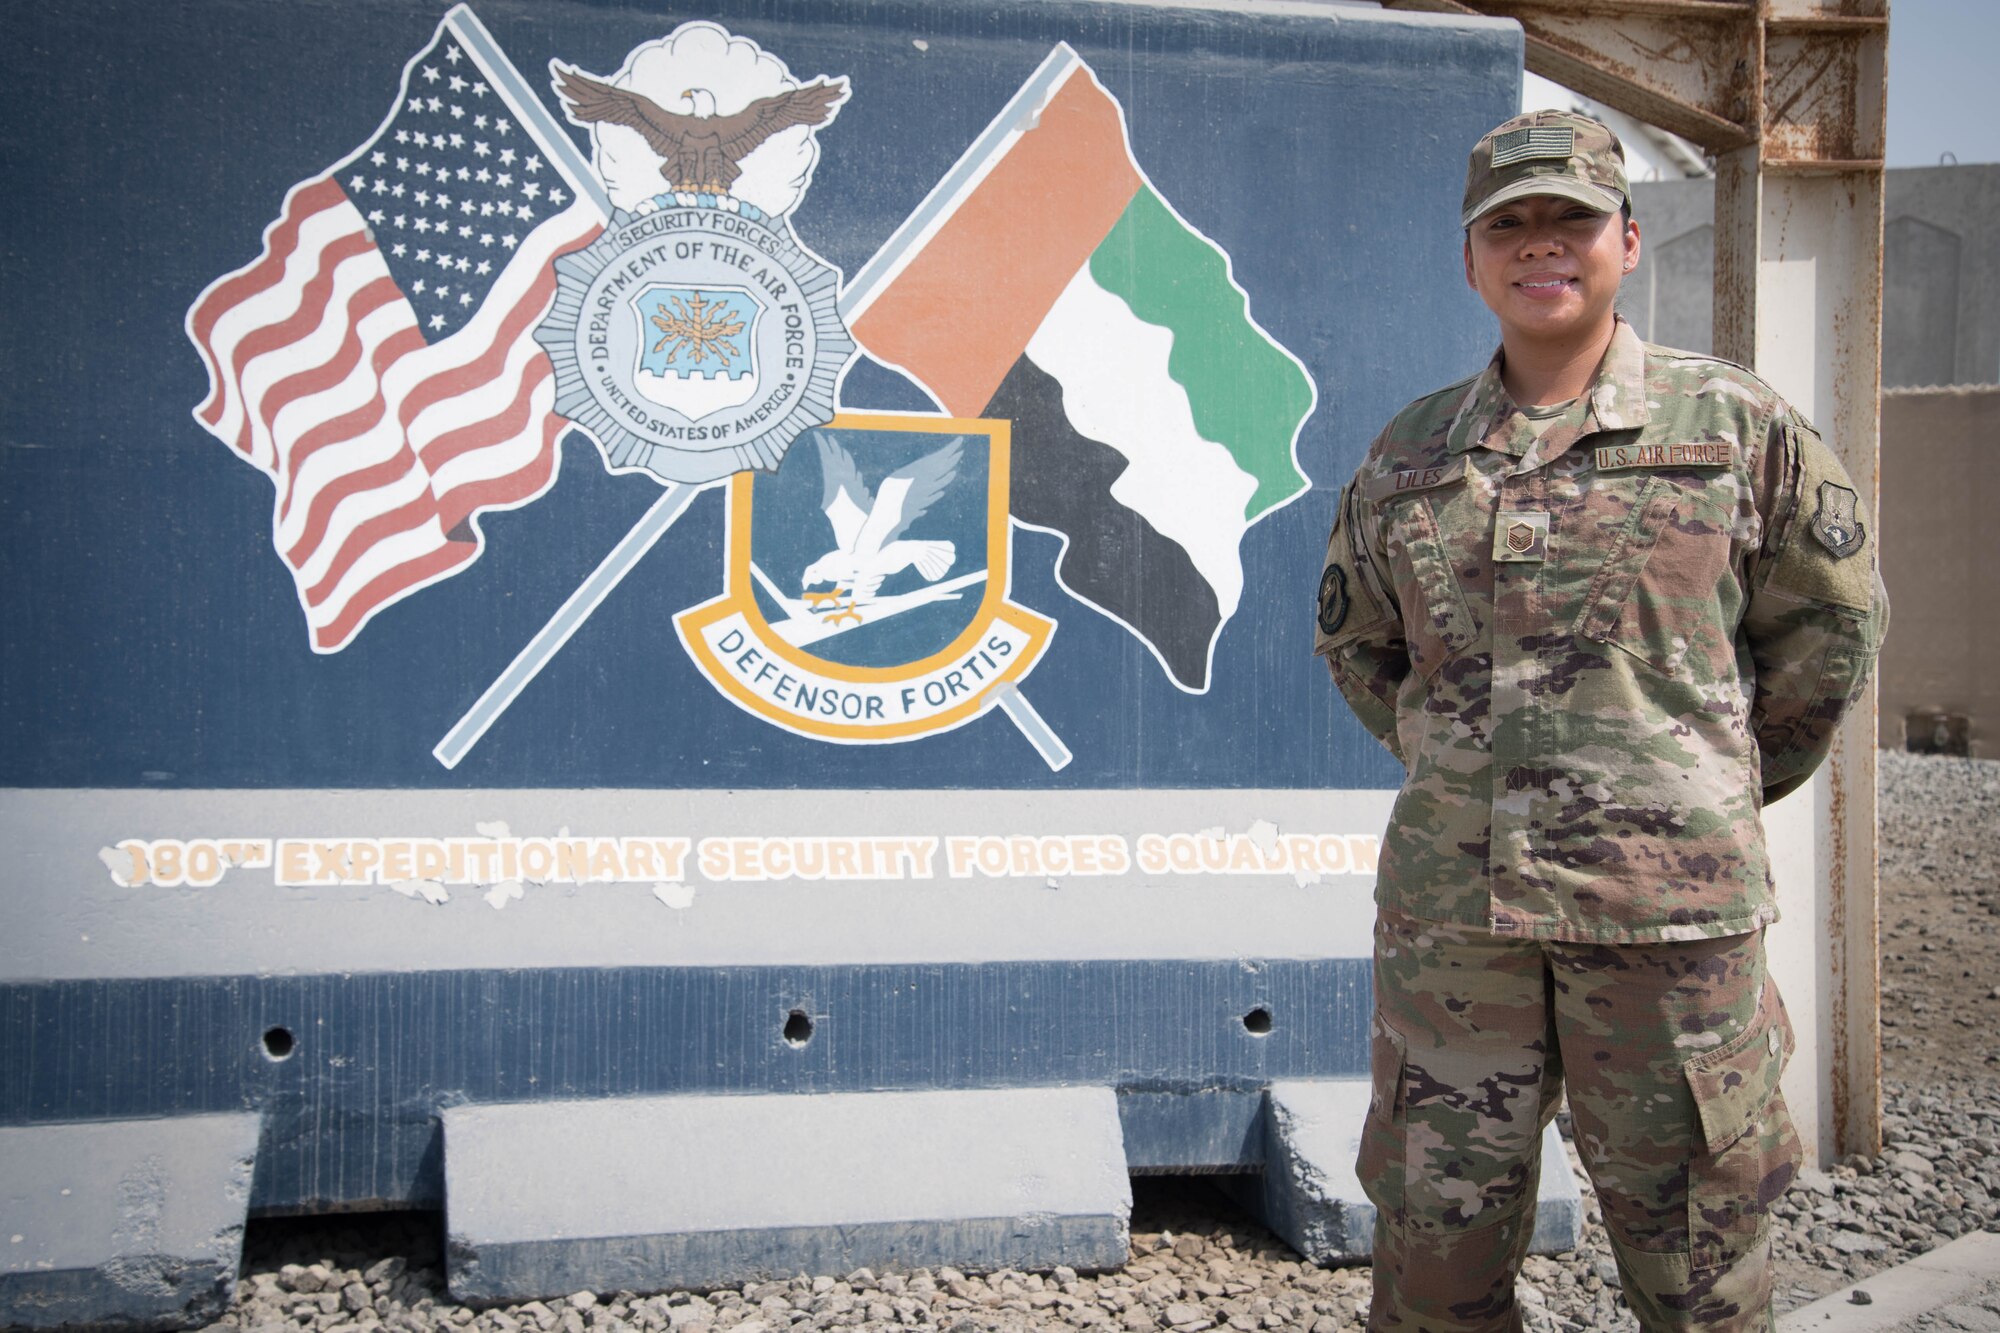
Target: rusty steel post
{"points": [[1788, 96]]}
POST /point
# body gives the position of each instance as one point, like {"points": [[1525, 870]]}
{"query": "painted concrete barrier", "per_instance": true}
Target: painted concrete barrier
{"points": [[763, 555]]}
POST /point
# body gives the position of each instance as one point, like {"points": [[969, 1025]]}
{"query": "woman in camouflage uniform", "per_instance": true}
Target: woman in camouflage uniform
{"points": [[1604, 600]]}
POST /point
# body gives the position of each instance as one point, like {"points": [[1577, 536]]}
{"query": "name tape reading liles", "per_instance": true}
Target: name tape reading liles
{"points": [[333, 861]]}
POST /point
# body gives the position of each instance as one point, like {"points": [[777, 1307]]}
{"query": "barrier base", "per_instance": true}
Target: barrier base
{"points": [[128, 1223], [643, 1194]]}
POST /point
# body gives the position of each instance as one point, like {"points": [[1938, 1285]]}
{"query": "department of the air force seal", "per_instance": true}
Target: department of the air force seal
{"points": [[867, 583], [696, 337]]}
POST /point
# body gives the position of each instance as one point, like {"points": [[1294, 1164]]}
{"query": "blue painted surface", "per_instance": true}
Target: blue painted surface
{"points": [[154, 637], [1207, 1131], [350, 1115]]}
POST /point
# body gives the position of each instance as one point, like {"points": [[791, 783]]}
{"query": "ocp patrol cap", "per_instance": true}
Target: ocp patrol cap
{"points": [[1546, 152]]}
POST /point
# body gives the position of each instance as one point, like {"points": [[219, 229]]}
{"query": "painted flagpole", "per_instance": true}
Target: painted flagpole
{"points": [[569, 617], [561, 150], [1039, 733]]}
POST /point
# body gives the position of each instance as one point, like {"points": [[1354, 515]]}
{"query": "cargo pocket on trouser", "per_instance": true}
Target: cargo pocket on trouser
{"points": [[1381, 1162], [1749, 1150]]}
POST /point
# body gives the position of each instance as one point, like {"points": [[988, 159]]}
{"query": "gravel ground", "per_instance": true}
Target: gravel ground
{"points": [[1197, 1263]]}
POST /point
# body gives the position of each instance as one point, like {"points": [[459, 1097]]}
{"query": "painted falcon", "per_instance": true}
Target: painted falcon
{"points": [[868, 529]]}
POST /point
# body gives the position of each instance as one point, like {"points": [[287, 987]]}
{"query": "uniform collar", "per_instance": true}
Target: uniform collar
{"points": [[1615, 400]]}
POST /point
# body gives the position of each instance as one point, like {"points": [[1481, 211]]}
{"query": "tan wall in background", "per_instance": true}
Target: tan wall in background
{"points": [[1941, 559]]}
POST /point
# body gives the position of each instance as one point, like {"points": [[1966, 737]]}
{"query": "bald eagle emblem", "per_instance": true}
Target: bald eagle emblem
{"points": [[699, 149]]}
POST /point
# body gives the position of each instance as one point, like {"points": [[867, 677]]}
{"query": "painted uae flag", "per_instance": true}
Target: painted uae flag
{"points": [[1045, 281]]}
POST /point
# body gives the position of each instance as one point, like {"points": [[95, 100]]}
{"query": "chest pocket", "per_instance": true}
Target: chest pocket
{"points": [[1659, 593], [1437, 621]]}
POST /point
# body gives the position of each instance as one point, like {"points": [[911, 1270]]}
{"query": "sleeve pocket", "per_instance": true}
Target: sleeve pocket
{"points": [[1347, 607], [1827, 552]]}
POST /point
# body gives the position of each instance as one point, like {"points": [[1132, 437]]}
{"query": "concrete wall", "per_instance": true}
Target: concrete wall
{"points": [[158, 684], [1940, 483], [1941, 272]]}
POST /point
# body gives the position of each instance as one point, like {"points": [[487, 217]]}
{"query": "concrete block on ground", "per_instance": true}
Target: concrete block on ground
{"points": [[1964, 1272], [650, 1193], [1313, 1200], [126, 1223]]}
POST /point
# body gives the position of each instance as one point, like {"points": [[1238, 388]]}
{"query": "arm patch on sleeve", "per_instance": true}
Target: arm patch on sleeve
{"points": [[1337, 616], [1333, 600], [1815, 560]]}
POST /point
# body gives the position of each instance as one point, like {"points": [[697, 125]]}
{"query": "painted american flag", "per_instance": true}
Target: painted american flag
{"points": [[377, 359]]}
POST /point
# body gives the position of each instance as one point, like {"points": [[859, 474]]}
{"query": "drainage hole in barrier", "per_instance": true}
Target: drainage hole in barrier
{"points": [[1258, 1022], [278, 1044], [798, 1027]]}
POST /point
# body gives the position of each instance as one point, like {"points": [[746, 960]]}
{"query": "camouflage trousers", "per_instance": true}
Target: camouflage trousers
{"points": [[1670, 1054]]}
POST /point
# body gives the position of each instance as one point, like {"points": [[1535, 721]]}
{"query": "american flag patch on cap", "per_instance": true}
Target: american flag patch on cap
{"points": [[1533, 142]]}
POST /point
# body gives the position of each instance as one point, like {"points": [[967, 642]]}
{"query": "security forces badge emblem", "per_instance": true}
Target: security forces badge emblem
{"points": [[867, 585], [696, 337], [1837, 522]]}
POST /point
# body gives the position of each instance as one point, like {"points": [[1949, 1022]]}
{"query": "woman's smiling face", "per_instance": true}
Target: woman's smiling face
{"points": [[1549, 268]]}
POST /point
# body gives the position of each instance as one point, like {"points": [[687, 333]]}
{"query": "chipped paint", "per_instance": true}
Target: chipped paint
{"points": [[124, 868], [175, 862], [429, 890], [504, 892]]}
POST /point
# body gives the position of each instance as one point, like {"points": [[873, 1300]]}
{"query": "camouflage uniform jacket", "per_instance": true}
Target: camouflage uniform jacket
{"points": [[1599, 651]]}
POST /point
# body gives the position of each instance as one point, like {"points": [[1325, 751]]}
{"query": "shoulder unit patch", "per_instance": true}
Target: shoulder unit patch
{"points": [[1837, 522], [1332, 600]]}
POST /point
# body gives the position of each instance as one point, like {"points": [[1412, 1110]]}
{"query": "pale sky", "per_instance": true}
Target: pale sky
{"points": [[1944, 81]]}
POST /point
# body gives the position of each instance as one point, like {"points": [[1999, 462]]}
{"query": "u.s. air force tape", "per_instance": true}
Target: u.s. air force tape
{"points": [[1714, 453]]}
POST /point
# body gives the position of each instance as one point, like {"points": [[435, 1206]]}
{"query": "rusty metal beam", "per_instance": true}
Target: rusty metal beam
{"points": [[1788, 97], [1721, 73], [1688, 66]]}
